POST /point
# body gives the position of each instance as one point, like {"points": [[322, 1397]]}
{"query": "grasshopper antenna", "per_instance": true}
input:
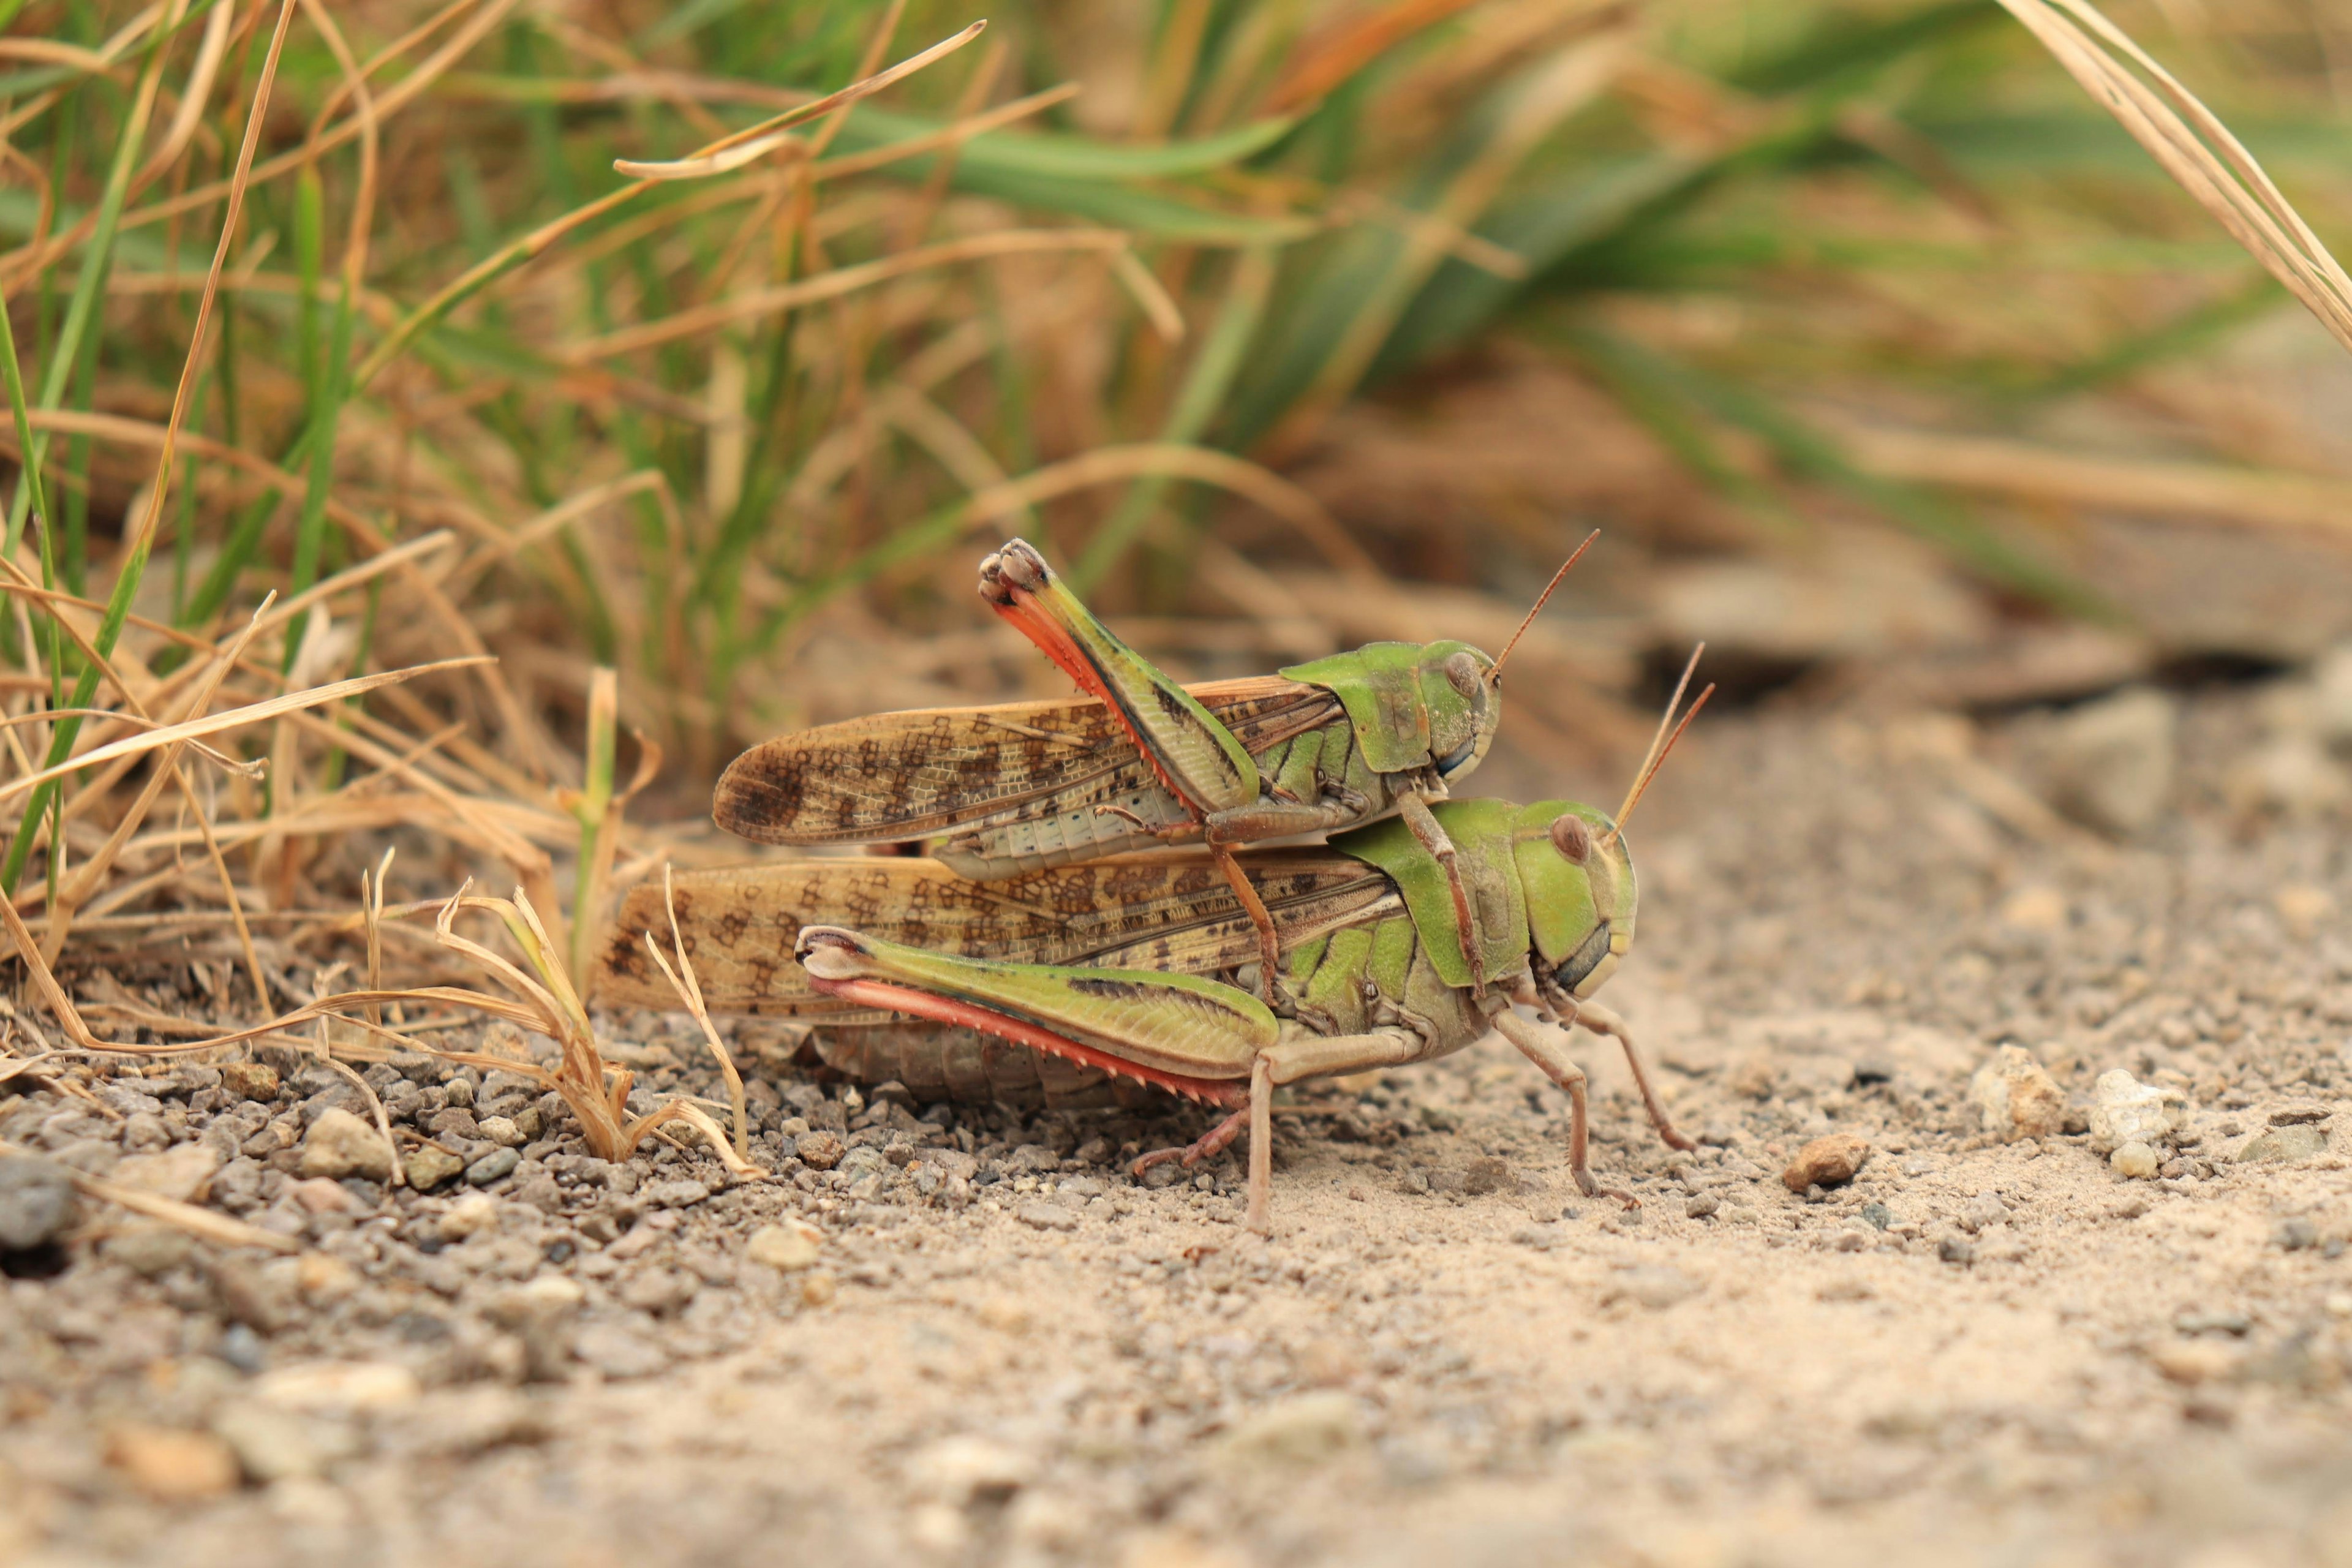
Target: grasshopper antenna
{"points": [[1662, 742], [1495, 676]]}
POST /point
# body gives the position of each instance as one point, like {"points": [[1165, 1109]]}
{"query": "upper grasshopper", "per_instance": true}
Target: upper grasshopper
{"points": [[1378, 973], [1018, 787]]}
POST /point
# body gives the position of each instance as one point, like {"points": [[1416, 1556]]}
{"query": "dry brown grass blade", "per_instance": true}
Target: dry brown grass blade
{"points": [[86, 879], [235, 718], [1175, 460], [2196, 149], [210, 51], [952, 135], [1322, 63], [409, 89], [683, 980], [109, 53], [45, 979], [839, 281], [143, 539], [765, 132], [2030, 472]]}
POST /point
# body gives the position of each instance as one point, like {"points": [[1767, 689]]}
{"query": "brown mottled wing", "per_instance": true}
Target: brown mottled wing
{"points": [[893, 777], [1166, 911]]}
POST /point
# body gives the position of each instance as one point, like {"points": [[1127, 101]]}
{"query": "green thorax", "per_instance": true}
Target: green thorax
{"points": [[1389, 689], [1522, 893]]}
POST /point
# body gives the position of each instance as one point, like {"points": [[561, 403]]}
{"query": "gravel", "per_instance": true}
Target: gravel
{"points": [[37, 1202], [569, 1361]]}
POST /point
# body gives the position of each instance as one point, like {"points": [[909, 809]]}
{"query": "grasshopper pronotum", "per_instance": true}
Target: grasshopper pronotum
{"points": [[1019, 787], [1378, 972]]}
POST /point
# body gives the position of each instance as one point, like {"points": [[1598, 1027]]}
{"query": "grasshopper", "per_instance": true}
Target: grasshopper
{"points": [[1019, 787], [1377, 970]]}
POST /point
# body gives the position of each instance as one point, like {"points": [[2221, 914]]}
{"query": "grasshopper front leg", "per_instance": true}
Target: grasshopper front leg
{"points": [[1546, 1045], [1430, 833], [1604, 1021], [1200, 761]]}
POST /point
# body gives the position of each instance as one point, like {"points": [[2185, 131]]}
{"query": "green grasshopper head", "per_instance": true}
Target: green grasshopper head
{"points": [[1578, 878], [1464, 701], [1579, 873]]}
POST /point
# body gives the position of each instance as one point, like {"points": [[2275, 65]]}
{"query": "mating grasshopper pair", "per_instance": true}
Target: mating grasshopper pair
{"points": [[1398, 941]]}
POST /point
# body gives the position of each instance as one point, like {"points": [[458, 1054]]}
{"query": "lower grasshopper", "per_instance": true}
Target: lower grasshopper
{"points": [[1377, 973], [1019, 787]]}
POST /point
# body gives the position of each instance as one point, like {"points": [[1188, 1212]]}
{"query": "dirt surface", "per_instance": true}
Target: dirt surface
{"points": [[974, 1340]]}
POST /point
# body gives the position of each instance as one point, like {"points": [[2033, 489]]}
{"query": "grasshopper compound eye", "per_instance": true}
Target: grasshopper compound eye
{"points": [[1462, 674], [1571, 837]]}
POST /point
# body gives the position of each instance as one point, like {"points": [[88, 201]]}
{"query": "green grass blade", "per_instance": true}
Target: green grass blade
{"points": [[89, 287]]}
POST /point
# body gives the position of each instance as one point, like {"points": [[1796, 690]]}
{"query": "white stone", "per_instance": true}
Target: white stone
{"points": [[2125, 1110], [174, 1174], [2332, 696], [784, 1248], [2110, 763], [275, 1445], [474, 1212], [2135, 1159], [337, 1385], [1300, 1429], [2015, 1099], [958, 1470]]}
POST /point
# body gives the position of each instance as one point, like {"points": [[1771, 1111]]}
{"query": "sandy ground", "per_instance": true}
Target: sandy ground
{"points": [[1978, 1351]]}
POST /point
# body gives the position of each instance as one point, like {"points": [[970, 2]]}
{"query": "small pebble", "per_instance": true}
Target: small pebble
{"points": [[2135, 1160], [1983, 1212], [473, 1213], [1299, 1429], [1483, 1175], [1878, 1215], [37, 1202], [819, 1149], [678, 1195], [1702, 1206], [1957, 1249], [2295, 1233], [2016, 1098], [784, 1248], [249, 1080], [496, 1165], [339, 1144], [431, 1166], [177, 1174], [2192, 1362], [1046, 1217], [173, 1467], [1653, 1285], [1829, 1161], [2124, 1111], [2283, 1145]]}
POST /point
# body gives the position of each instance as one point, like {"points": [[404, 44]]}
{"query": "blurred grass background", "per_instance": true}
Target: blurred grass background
{"points": [[1282, 323]]}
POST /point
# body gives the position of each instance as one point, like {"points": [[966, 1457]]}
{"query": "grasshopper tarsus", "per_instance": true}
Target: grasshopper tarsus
{"points": [[1208, 1145]]}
